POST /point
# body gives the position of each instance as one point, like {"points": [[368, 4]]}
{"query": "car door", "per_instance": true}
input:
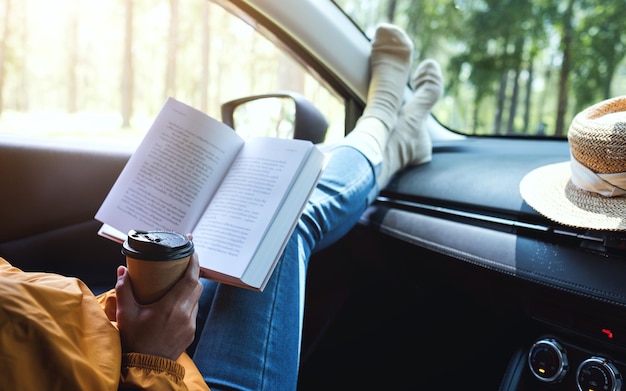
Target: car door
{"points": [[72, 117]]}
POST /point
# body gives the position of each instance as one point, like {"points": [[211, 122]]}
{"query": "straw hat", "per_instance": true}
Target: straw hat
{"points": [[589, 191]]}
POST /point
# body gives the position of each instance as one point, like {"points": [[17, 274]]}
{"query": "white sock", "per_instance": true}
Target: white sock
{"points": [[390, 62], [390, 65], [409, 143]]}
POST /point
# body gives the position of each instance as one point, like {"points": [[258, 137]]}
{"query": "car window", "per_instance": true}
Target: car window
{"points": [[98, 71], [512, 68]]}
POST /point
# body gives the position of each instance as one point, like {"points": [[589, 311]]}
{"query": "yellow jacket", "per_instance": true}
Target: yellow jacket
{"points": [[56, 335]]}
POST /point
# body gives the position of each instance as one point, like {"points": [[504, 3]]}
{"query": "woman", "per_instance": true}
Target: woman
{"points": [[54, 334]]}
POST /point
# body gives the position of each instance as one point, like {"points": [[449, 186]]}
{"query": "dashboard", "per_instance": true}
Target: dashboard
{"points": [[465, 207]]}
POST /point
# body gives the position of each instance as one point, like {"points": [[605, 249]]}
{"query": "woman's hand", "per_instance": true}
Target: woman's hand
{"points": [[166, 327]]}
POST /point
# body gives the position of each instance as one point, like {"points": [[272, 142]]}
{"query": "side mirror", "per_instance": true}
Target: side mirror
{"points": [[281, 114]]}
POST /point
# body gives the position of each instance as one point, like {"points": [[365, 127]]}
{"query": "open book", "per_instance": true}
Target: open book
{"points": [[240, 200]]}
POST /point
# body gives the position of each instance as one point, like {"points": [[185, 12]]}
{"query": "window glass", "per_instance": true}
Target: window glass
{"points": [[98, 71], [512, 67]]}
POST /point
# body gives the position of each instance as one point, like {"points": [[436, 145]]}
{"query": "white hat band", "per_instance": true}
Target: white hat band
{"points": [[608, 185]]}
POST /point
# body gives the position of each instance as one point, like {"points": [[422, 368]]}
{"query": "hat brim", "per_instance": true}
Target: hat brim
{"points": [[549, 191]]}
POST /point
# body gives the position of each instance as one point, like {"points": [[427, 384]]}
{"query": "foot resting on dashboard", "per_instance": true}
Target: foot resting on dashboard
{"points": [[409, 143], [390, 64]]}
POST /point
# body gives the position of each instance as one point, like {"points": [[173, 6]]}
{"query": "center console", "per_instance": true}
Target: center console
{"points": [[573, 345], [554, 363]]}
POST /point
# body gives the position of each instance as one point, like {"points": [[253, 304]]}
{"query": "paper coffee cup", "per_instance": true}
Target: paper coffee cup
{"points": [[156, 260]]}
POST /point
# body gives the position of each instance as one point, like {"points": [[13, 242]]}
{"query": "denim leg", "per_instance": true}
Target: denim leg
{"points": [[251, 340], [345, 190]]}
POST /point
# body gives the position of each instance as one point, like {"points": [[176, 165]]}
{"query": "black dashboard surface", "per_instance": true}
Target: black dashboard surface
{"points": [[481, 172], [466, 204]]}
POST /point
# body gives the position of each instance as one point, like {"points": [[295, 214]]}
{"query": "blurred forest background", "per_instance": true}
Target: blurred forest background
{"points": [[513, 66], [75, 66]]}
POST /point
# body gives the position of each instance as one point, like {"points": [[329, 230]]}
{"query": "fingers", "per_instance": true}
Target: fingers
{"points": [[202, 272], [163, 328], [189, 285], [193, 270], [123, 286]]}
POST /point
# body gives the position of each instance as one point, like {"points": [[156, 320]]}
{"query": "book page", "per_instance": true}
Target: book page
{"points": [[175, 171], [240, 213], [285, 221]]}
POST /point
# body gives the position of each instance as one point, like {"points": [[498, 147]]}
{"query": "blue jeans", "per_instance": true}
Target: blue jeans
{"points": [[249, 340]]}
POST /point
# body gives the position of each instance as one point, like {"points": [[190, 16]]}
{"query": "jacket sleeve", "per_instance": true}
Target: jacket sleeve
{"points": [[54, 335], [145, 372]]}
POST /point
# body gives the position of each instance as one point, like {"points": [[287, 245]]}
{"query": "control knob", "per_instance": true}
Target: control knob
{"points": [[548, 360], [598, 373]]}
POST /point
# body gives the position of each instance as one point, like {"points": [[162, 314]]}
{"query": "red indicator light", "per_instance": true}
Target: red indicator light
{"points": [[608, 333]]}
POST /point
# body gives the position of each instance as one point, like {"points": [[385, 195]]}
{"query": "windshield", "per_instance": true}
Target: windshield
{"points": [[511, 67]]}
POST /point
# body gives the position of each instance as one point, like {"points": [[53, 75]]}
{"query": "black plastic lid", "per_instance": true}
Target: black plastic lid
{"points": [[157, 245]]}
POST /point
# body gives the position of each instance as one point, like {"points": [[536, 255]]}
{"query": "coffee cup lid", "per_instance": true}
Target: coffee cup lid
{"points": [[157, 245]]}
